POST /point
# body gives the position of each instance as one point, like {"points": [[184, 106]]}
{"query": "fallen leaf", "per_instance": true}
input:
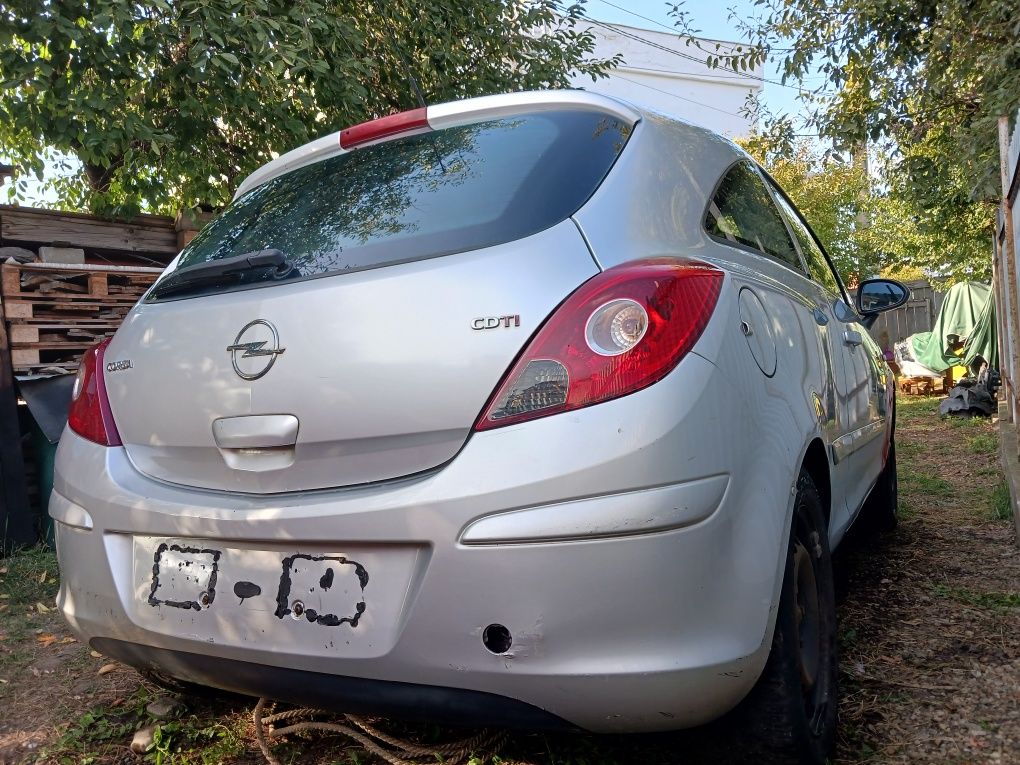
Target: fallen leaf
{"points": [[3, 570], [67, 640], [42, 609], [95, 654], [47, 639], [34, 671], [42, 579], [107, 669], [3, 608], [3, 681], [5, 596]]}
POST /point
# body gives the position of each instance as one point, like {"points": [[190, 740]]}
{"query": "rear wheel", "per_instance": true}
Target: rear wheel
{"points": [[792, 709], [880, 512]]}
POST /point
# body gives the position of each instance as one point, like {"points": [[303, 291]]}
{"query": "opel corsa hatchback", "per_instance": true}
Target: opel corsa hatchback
{"points": [[534, 410]]}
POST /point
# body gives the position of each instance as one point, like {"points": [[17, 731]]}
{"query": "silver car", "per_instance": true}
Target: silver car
{"points": [[536, 409]]}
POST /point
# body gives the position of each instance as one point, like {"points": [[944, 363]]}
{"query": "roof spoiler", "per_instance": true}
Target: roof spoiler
{"points": [[436, 117]]}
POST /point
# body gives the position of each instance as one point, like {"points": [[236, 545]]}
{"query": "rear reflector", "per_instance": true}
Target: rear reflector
{"points": [[619, 332], [90, 416], [384, 127]]}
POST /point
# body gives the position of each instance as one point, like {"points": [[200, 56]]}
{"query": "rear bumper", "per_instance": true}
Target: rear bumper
{"points": [[408, 701], [637, 578]]}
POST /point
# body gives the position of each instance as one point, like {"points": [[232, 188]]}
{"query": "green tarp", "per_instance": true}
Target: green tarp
{"points": [[967, 314]]}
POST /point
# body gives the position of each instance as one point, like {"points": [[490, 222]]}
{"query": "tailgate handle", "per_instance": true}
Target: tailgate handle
{"points": [[259, 431]]}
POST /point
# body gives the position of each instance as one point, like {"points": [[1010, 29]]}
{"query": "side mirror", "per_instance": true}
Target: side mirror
{"points": [[877, 295]]}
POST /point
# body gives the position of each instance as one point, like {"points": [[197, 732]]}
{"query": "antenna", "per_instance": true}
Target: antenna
{"points": [[407, 67]]}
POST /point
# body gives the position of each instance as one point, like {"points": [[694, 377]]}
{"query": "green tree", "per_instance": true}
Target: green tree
{"points": [[867, 226], [168, 104], [829, 192], [925, 82]]}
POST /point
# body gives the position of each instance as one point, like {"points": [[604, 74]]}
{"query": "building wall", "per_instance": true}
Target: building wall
{"points": [[660, 72]]}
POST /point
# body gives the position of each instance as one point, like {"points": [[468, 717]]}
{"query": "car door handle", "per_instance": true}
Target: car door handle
{"points": [[852, 337]]}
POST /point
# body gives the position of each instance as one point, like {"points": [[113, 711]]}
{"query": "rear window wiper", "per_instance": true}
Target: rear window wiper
{"points": [[264, 265]]}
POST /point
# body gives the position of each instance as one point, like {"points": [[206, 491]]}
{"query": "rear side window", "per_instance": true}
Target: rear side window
{"points": [[817, 265], [743, 212], [421, 196]]}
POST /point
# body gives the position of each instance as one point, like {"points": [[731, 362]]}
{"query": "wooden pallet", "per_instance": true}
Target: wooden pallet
{"points": [[54, 312]]}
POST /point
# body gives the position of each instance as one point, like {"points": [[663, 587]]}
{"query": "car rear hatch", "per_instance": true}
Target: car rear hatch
{"points": [[345, 322]]}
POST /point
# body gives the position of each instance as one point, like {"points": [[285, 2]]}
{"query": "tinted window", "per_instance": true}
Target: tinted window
{"points": [[421, 196], [743, 212], [817, 265]]}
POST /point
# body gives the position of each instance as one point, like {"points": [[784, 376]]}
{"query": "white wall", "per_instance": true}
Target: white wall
{"points": [[669, 81]]}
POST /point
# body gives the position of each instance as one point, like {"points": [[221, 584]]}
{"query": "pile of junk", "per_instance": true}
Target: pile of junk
{"points": [[961, 349]]}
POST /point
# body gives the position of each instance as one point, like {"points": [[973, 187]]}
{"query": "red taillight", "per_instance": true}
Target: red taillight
{"points": [[90, 416], [619, 332], [384, 127]]}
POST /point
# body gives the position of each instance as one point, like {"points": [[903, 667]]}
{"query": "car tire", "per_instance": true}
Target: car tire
{"points": [[880, 513], [791, 712]]}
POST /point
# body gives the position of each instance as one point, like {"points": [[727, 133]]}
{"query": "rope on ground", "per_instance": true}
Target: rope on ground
{"points": [[393, 750]]}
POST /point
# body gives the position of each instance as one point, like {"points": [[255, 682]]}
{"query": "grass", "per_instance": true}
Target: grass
{"points": [[917, 405], [964, 423], [1001, 503], [905, 511], [908, 449], [926, 484], [983, 443], [993, 601], [28, 586]]}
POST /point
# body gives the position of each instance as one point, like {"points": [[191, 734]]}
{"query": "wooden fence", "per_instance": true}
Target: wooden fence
{"points": [[917, 315], [1004, 266]]}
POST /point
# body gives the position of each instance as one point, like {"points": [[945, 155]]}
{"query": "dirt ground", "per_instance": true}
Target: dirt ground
{"points": [[929, 637]]}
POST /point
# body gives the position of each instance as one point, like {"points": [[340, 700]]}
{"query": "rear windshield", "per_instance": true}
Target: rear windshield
{"points": [[421, 196]]}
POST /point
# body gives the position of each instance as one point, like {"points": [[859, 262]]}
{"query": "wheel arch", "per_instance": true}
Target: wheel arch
{"points": [[816, 464]]}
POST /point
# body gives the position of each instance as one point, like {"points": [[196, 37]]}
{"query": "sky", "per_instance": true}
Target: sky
{"points": [[715, 19]]}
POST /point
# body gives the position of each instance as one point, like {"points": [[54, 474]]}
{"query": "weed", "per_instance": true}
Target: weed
{"points": [[1001, 503], [99, 731], [188, 742], [983, 443]]}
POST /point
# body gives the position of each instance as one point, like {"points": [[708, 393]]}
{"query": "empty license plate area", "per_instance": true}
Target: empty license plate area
{"points": [[183, 576], [325, 589], [318, 601]]}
